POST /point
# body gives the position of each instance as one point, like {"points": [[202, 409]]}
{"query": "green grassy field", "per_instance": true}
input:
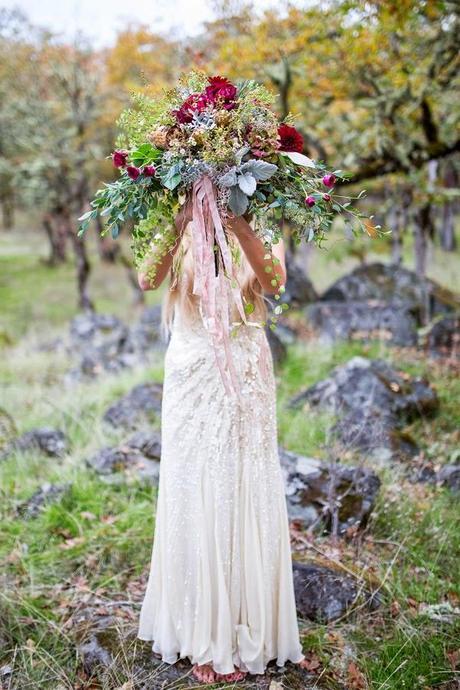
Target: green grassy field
{"points": [[96, 540]]}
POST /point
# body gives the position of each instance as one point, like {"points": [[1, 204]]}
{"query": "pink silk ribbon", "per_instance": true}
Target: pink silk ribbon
{"points": [[208, 231]]}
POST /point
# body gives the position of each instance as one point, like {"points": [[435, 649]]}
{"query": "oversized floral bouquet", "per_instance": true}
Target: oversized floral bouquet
{"points": [[224, 145]]}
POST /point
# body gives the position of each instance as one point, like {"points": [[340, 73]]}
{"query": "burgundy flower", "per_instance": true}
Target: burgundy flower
{"points": [[326, 197], [222, 89], [195, 103], [133, 172], [149, 170], [310, 201], [119, 158], [290, 138], [329, 180]]}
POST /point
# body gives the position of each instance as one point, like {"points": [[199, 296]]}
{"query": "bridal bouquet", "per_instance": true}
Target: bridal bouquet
{"points": [[223, 144]]}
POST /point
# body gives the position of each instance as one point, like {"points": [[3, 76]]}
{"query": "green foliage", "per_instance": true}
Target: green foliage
{"points": [[137, 122], [121, 201]]}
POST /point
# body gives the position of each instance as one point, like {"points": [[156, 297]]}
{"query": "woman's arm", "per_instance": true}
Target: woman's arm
{"points": [[162, 264], [255, 252]]}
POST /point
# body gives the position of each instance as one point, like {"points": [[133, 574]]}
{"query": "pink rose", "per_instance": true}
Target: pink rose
{"points": [[133, 172], [149, 170], [326, 197], [329, 180], [119, 158], [310, 201]]}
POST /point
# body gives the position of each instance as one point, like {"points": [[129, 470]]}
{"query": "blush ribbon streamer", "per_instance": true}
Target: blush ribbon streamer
{"points": [[208, 236]]}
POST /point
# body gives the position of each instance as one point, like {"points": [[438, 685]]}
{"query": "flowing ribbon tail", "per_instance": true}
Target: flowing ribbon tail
{"points": [[218, 227], [207, 229], [199, 239], [222, 243]]}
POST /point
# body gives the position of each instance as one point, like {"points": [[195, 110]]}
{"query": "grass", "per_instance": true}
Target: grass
{"points": [[93, 545]]}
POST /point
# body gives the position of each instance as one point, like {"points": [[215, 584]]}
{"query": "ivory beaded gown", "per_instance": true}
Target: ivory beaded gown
{"points": [[220, 589]]}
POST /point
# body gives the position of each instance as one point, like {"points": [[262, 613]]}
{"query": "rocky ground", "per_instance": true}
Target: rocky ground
{"points": [[369, 433]]}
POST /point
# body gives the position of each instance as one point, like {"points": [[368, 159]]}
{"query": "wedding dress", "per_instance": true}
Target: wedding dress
{"points": [[220, 589]]}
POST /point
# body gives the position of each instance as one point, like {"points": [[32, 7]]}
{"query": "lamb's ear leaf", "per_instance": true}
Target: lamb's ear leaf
{"points": [[261, 170], [229, 179], [238, 202], [241, 153], [299, 159], [247, 183]]}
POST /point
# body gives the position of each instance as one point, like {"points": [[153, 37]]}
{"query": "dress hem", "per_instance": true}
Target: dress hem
{"points": [[179, 655]]}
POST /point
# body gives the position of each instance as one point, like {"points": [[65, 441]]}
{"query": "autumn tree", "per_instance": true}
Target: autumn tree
{"points": [[375, 84]]}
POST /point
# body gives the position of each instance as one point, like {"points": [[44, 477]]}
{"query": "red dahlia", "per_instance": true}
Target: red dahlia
{"points": [[290, 138], [220, 88], [196, 102]]}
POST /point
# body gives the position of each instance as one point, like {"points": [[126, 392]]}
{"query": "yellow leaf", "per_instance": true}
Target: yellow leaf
{"points": [[370, 228]]}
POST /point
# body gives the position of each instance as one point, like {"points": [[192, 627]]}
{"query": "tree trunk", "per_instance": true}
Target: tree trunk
{"points": [[82, 263], [450, 208], [56, 234], [83, 271], [395, 225], [139, 296], [7, 213], [447, 232], [423, 230], [396, 239], [107, 249]]}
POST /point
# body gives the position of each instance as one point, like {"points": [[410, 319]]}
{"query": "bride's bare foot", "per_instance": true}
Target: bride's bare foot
{"points": [[205, 673], [305, 663], [236, 676]]}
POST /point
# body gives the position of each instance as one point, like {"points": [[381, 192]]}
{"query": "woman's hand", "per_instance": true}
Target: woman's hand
{"points": [[267, 268]]}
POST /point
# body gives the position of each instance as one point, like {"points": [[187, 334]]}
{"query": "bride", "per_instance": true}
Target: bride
{"points": [[220, 590]]}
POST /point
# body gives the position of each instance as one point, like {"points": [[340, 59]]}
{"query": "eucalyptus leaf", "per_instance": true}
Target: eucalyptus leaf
{"points": [[172, 178]]}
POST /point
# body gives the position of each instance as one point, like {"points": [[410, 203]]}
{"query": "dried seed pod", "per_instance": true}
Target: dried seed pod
{"points": [[222, 117], [159, 137], [198, 136]]}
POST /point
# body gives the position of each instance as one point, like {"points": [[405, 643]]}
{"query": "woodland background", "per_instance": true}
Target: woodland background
{"points": [[376, 88]]}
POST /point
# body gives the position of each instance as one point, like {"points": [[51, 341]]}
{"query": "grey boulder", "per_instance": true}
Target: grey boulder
{"points": [[372, 401], [331, 496], [140, 405], [371, 320]]}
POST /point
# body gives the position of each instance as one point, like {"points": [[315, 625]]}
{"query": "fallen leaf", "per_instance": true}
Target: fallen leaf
{"points": [[108, 519], [395, 608], [87, 515], [313, 662], [275, 685], [454, 658], [412, 603], [356, 678], [71, 543]]}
